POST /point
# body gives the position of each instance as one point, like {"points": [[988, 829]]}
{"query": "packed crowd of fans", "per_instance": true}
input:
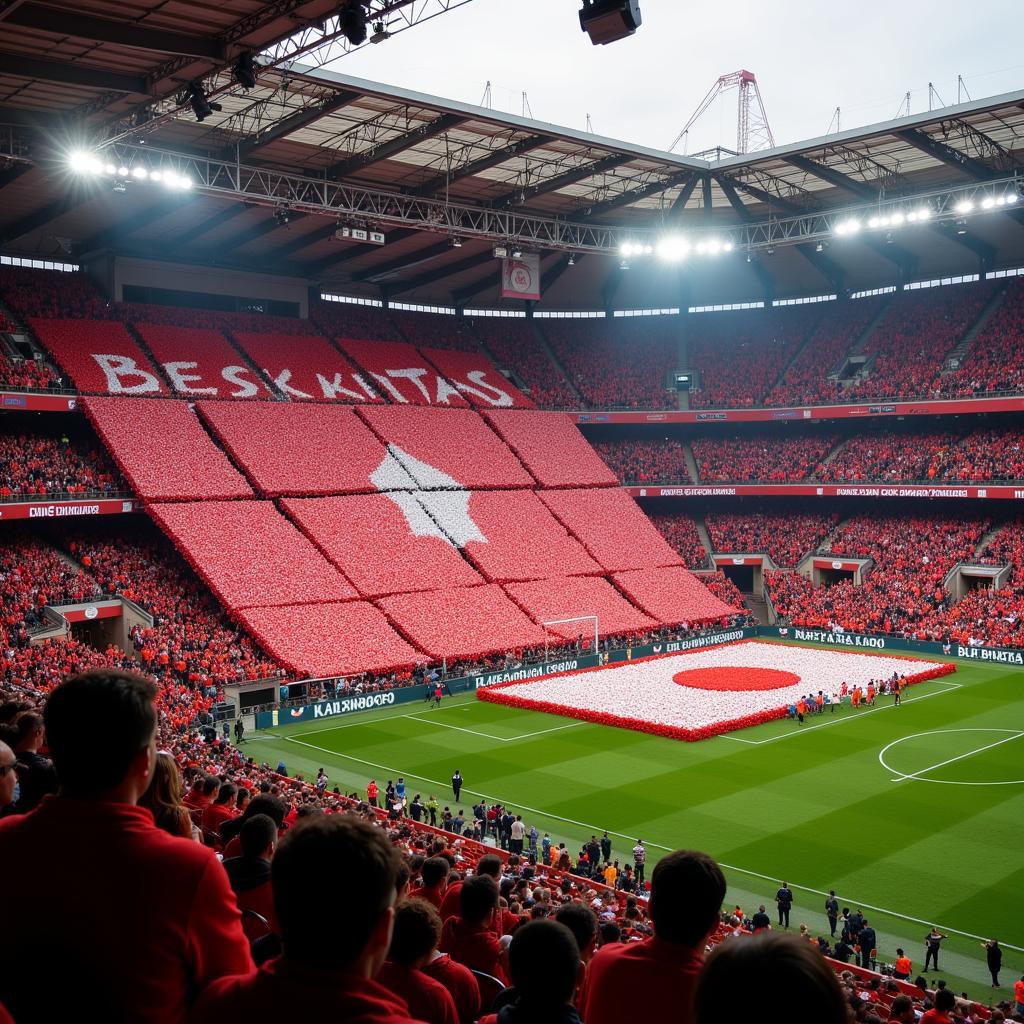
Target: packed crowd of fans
{"points": [[902, 593], [27, 375], [785, 536], [768, 457], [994, 360], [806, 379], [646, 462], [515, 345], [617, 363], [742, 354], [38, 464], [680, 531], [915, 334]]}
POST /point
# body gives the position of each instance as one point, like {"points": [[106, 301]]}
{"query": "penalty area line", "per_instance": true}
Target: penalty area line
{"points": [[595, 829]]}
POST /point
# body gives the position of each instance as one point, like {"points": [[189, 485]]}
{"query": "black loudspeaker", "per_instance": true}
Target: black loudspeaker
{"points": [[607, 20]]}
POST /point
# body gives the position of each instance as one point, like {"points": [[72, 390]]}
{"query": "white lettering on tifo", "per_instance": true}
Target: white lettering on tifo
{"points": [[333, 388], [281, 381], [180, 380], [118, 369], [412, 375], [497, 397], [233, 375]]}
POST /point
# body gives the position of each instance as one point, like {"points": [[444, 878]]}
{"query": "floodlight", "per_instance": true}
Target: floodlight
{"points": [[964, 206], [245, 71], [139, 172], [987, 203], [352, 20], [606, 21]]}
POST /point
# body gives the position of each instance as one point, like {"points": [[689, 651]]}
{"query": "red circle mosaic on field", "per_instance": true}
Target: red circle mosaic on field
{"points": [[735, 678]]}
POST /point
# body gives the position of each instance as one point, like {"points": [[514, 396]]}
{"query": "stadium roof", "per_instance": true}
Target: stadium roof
{"points": [[75, 73]]}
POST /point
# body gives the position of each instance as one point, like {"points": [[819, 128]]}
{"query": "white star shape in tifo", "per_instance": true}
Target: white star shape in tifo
{"points": [[434, 503]]}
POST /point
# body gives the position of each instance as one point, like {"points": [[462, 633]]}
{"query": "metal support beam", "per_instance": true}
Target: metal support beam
{"points": [[633, 195], [72, 74], [492, 279], [13, 173], [484, 163], [906, 261], [264, 227], [860, 189], [393, 147], [705, 187], [230, 212], [353, 252], [42, 217], [412, 259], [831, 272], [986, 253], [480, 259], [156, 211], [946, 154], [303, 241], [555, 271], [680, 201], [68, 22], [611, 285], [557, 181], [292, 123]]}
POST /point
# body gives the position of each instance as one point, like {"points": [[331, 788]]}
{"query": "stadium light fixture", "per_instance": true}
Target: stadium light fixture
{"points": [[606, 21], [964, 206], [201, 106], [352, 20], [245, 71]]}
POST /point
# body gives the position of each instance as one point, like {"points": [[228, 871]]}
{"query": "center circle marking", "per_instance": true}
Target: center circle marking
{"points": [[735, 678]]}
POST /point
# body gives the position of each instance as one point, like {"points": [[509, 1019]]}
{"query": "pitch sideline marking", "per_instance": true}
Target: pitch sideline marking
{"points": [[901, 776], [423, 717], [846, 718], [657, 846]]}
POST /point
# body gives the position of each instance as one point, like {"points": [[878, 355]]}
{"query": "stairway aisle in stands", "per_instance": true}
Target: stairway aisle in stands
{"points": [[986, 314], [557, 363]]}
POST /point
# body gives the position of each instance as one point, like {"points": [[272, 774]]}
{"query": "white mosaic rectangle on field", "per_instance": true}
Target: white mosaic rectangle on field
{"points": [[773, 675]]}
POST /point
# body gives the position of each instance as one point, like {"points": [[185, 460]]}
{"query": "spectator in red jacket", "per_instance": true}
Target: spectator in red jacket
{"points": [[413, 944], [687, 889], [222, 809], [470, 938], [138, 919], [546, 970], [249, 874], [460, 981], [335, 937], [771, 962], [434, 881]]}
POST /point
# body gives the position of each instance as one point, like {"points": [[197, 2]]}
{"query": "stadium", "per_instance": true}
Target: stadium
{"points": [[424, 526]]}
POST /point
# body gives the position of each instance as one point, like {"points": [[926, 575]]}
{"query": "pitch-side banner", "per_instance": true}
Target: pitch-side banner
{"points": [[520, 279]]}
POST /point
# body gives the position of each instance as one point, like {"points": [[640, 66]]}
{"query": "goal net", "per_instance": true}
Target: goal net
{"points": [[558, 632]]}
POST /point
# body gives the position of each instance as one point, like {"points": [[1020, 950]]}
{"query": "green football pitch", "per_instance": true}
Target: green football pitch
{"points": [[913, 814]]}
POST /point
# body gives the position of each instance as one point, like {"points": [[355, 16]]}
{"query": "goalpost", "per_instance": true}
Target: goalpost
{"points": [[565, 622]]}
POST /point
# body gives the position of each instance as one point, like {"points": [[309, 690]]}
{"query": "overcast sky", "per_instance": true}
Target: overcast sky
{"points": [[810, 57]]}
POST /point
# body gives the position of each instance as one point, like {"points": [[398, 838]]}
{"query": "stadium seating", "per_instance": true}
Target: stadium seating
{"points": [[452, 448], [332, 639], [671, 595], [885, 456], [612, 528], [911, 556], [383, 544], [215, 319], [994, 360], [723, 588], [741, 354], [552, 448], [573, 596], [916, 333], [303, 449], [200, 362], [514, 343], [100, 356], [52, 293], [439, 330], [306, 368], [27, 375], [681, 533], [646, 462], [617, 363], [38, 464], [250, 555], [163, 450], [769, 457], [462, 622], [785, 535], [806, 378], [349, 320]]}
